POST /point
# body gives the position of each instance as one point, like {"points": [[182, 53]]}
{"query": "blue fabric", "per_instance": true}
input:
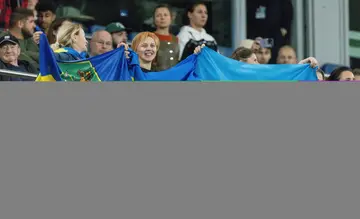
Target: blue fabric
{"points": [[111, 66], [329, 67], [37, 28], [185, 71], [48, 65], [207, 66], [75, 53], [212, 66]]}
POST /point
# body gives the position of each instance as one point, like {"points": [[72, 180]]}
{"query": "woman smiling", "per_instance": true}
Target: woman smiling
{"points": [[146, 46]]}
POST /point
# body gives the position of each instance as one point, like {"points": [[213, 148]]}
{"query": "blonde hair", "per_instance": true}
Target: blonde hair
{"points": [[65, 34], [141, 37]]}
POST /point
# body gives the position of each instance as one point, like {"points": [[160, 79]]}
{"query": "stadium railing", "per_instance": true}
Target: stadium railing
{"points": [[22, 75]]}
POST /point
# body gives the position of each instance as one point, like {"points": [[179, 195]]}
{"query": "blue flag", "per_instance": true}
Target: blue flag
{"points": [[206, 66], [37, 28], [212, 66], [184, 71], [49, 70], [111, 66]]}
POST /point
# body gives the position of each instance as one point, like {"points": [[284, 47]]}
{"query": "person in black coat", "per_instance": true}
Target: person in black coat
{"points": [[270, 19], [9, 53]]}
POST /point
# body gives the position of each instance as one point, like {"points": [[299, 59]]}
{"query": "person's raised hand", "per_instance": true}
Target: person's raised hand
{"points": [[36, 36], [197, 50], [311, 60], [126, 47]]}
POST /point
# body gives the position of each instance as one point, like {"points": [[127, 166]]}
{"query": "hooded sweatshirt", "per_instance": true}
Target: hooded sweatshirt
{"points": [[190, 38]]}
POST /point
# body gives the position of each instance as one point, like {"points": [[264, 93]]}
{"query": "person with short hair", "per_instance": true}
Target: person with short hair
{"points": [[342, 74], [71, 43], [46, 15], [100, 43], [168, 54], [263, 55], [22, 25], [146, 45], [287, 55], [119, 33], [245, 55], [9, 58]]}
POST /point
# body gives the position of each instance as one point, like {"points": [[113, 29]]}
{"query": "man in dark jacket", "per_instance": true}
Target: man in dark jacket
{"points": [[270, 19], [9, 59], [22, 24]]}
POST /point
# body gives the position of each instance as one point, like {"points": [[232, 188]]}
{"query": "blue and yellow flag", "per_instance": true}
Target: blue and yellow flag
{"points": [[206, 66], [111, 66], [49, 70]]}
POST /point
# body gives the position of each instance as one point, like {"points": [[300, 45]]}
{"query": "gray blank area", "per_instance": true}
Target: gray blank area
{"points": [[179, 151]]}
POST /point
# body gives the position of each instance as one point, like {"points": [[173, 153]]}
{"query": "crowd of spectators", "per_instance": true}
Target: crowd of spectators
{"points": [[157, 51]]}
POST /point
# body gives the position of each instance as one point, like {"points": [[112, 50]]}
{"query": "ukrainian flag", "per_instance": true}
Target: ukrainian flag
{"points": [[207, 66], [49, 70]]}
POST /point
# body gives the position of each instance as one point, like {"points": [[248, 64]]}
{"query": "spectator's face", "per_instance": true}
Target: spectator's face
{"points": [[120, 37], [101, 43], [357, 78], [252, 59], [28, 27], [80, 41], [45, 19], [147, 50], [199, 16], [263, 55], [9, 52], [346, 76], [286, 56], [162, 18]]}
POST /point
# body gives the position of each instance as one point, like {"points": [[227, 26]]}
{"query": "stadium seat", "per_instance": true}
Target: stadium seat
{"points": [[329, 67]]}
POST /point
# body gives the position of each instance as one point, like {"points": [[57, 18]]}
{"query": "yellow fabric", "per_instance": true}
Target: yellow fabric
{"points": [[46, 78], [60, 50]]}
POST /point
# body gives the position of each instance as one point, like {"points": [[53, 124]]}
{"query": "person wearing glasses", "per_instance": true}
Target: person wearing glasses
{"points": [[100, 43], [9, 58]]}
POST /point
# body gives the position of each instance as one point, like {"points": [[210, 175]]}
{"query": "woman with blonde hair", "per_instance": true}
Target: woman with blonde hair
{"points": [[146, 46], [71, 43]]}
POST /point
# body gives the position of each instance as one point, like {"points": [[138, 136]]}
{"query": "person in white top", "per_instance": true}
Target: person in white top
{"points": [[194, 34]]}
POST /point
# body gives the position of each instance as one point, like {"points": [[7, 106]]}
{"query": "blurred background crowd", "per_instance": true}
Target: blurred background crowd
{"points": [[252, 31]]}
